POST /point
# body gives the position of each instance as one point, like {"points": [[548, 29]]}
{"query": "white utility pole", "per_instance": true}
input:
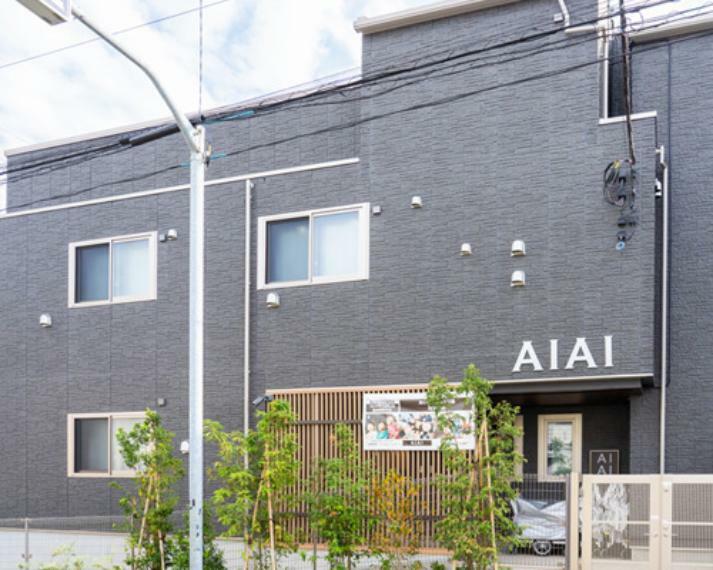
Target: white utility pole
{"points": [[58, 11]]}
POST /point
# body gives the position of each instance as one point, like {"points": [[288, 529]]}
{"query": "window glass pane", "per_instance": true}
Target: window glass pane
{"points": [[92, 278], [90, 445], [559, 447], [287, 250], [117, 461], [131, 269], [335, 250]]}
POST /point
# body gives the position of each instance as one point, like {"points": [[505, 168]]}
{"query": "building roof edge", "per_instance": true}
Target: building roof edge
{"points": [[420, 14]]}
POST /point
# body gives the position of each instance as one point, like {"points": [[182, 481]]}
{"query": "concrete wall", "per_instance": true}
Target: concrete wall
{"points": [[522, 161]]}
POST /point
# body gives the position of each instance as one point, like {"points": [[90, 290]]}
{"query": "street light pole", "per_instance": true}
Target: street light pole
{"points": [[195, 137], [57, 11]]}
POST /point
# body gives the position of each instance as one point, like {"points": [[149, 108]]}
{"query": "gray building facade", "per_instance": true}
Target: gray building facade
{"points": [[504, 144]]}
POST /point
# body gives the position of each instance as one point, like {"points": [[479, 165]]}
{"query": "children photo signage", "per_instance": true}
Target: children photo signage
{"points": [[405, 422]]}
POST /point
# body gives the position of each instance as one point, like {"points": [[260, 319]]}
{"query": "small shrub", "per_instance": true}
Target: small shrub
{"points": [[64, 558], [397, 530], [213, 558]]}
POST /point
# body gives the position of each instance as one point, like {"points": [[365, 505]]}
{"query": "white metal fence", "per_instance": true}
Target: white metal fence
{"points": [[647, 522]]}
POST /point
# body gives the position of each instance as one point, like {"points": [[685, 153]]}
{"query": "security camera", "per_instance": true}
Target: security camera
{"points": [[265, 399]]}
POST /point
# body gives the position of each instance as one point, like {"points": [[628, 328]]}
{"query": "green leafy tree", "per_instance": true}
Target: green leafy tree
{"points": [[476, 487], [339, 502], [256, 473], [148, 449]]}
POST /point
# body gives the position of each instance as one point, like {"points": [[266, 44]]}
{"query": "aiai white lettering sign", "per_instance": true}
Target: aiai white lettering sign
{"points": [[580, 353]]}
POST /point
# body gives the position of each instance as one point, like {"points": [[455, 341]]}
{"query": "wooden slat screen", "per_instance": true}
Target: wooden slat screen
{"points": [[318, 411]]}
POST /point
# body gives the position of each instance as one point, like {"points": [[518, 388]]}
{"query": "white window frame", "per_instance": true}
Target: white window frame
{"points": [[110, 473], [362, 274], [153, 284], [542, 421]]}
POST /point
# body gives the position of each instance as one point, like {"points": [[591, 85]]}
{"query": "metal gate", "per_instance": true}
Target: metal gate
{"points": [[647, 522]]}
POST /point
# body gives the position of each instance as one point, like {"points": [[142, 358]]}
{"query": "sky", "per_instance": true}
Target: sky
{"points": [[251, 48]]}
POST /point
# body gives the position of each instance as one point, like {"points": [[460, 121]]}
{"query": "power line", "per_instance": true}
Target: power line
{"points": [[394, 73], [391, 76], [118, 32], [391, 73], [371, 118]]}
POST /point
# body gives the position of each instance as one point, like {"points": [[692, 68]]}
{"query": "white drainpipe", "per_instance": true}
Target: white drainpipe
{"points": [[246, 308], [664, 309]]}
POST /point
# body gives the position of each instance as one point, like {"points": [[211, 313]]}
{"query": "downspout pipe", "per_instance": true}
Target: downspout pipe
{"points": [[664, 307], [565, 13], [246, 309]]}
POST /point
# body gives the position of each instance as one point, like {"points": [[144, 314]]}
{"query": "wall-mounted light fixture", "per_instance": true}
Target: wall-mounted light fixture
{"points": [[465, 249], [518, 248], [172, 235], [517, 279], [416, 202], [45, 320], [376, 210], [273, 300], [185, 447]]}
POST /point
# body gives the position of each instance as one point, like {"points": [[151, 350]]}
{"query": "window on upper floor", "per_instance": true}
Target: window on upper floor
{"points": [[112, 270], [317, 246], [93, 449]]}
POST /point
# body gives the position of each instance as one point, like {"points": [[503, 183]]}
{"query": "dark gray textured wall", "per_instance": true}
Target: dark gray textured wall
{"points": [[522, 161], [673, 79]]}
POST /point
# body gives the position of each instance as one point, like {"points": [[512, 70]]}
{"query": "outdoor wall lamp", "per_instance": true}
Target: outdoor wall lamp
{"points": [[45, 320], [466, 250], [518, 248], [273, 300], [416, 202], [517, 279]]}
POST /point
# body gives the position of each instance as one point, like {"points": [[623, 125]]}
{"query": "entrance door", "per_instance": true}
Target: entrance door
{"points": [[620, 522]]}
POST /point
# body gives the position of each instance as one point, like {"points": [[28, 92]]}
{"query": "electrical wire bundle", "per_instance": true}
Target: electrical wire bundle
{"points": [[619, 189]]}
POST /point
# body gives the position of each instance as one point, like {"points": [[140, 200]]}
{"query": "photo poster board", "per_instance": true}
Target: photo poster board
{"points": [[404, 422]]}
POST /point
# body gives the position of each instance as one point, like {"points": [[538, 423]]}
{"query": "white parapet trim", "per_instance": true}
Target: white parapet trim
{"points": [[675, 28], [426, 13]]}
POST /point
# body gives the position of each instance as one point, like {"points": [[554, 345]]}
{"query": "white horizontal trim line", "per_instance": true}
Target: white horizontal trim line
{"points": [[622, 118], [427, 13], [574, 378], [167, 189], [673, 29], [423, 386]]}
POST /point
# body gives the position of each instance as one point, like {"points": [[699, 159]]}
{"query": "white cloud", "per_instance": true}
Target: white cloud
{"points": [[250, 48]]}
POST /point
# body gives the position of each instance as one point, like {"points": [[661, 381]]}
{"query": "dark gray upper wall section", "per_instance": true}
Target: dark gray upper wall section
{"points": [[673, 78], [294, 135]]}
